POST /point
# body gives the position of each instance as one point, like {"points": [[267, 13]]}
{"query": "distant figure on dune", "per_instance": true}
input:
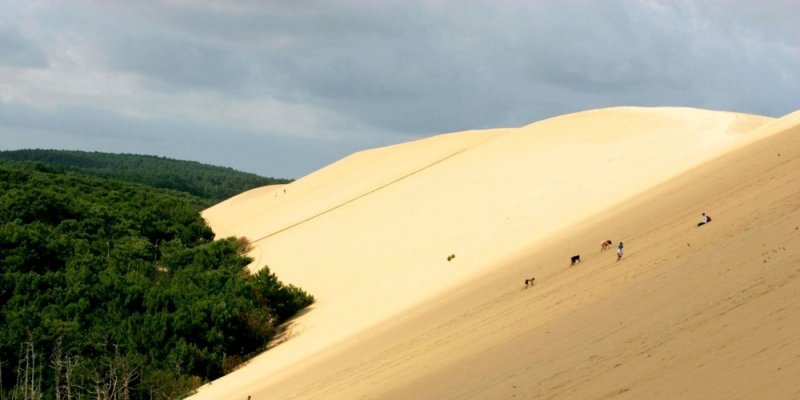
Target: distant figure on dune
{"points": [[706, 219], [529, 282], [574, 260], [605, 245], [619, 251]]}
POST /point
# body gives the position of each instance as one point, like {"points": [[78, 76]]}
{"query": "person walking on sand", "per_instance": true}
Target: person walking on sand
{"points": [[619, 251], [706, 219]]}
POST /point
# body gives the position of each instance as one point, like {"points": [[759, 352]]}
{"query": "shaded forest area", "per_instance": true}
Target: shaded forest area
{"points": [[117, 290], [211, 183]]}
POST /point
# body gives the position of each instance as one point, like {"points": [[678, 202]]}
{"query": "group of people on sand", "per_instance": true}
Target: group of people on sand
{"points": [[606, 244]]}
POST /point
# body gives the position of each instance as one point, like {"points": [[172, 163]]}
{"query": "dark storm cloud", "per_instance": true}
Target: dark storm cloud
{"points": [[433, 69], [417, 68]]}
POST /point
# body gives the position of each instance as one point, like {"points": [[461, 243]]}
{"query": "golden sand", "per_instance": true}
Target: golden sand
{"points": [[689, 312]]}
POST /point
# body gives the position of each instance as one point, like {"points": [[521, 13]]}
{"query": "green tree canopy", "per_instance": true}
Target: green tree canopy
{"points": [[109, 285], [210, 183]]}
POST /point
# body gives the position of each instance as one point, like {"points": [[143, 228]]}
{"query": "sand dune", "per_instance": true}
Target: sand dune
{"points": [[686, 311]]}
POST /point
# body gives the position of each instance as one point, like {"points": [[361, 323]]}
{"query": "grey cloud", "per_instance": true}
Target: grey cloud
{"points": [[374, 63], [410, 69], [135, 38], [18, 51], [667, 55], [416, 69], [175, 63]]}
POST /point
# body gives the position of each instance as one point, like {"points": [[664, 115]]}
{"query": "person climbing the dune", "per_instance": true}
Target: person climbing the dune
{"points": [[706, 219], [619, 251]]}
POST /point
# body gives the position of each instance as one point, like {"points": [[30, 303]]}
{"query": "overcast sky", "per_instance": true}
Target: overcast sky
{"points": [[282, 88]]}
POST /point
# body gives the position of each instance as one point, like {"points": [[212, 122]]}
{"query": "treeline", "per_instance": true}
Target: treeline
{"points": [[113, 290], [208, 182]]}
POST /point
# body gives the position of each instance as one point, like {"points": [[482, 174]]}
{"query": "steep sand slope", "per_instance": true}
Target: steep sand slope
{"points": [[369, 236], [698, 313]]}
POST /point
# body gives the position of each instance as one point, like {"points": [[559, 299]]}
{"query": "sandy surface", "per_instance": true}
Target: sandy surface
{"points": [[689, 312]]}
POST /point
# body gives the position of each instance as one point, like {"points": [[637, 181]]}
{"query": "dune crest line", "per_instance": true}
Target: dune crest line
{"points": [[361, 196]]}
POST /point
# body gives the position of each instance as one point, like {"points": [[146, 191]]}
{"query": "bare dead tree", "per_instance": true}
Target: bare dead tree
{"points": [[129, 374], [27, 387], [63, 369], [57, 363], [69, 368], [114, 380]]}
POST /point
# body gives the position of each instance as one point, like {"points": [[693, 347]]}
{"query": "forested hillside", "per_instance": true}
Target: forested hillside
{"points": [[208, 182], [111, 289]]}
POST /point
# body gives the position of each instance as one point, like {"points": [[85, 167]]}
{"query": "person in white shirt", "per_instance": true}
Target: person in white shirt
{"points": [[706, 219]]}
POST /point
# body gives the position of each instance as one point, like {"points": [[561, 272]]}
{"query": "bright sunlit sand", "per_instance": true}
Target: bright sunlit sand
{"points": [[417, 254]]}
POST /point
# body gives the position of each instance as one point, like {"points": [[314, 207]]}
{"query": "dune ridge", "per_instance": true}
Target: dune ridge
{"points": [[391, 216]]}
